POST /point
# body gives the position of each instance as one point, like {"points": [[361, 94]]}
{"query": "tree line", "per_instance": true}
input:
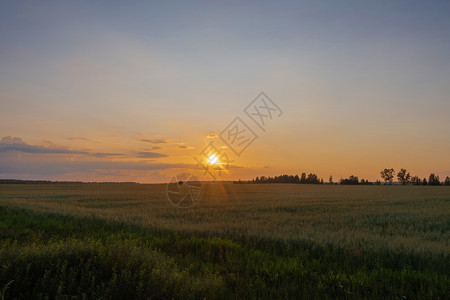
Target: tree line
{"points": [[404, 177], [387, 175], [19, 181], [311, 178]]}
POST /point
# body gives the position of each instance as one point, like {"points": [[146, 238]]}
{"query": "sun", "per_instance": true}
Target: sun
{"points": [[213, 160]]}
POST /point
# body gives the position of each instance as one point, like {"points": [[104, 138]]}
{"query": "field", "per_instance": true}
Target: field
{"points": [[240, 241]]}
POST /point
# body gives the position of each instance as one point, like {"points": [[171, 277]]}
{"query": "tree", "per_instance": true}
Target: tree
{"points": [[433, 179], [424, 182], [447, 180], [403, 177], [387, 175], [303, 178], [415, 180], [312, 178], [365, 181], [330, 180], [351, 180]]}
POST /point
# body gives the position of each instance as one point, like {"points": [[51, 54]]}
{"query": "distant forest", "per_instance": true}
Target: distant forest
{"points": [[387, 175], [18, 181]]}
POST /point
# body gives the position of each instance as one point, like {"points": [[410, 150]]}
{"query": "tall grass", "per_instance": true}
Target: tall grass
{"points": [[364, 217], [267, 241]]}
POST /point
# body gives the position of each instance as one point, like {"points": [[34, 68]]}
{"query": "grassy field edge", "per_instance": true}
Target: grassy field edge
{"points": [[50, 255]]}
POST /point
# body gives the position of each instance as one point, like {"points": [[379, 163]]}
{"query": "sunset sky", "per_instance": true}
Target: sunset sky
{"points": [[134, 90]]}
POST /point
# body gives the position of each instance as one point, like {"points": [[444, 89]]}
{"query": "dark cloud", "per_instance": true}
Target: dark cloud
{"points": [[15, 144], [185, 147], [54, 164], [155, 141], [101, 154], [147, 154], [13, 166], [9, 144]]}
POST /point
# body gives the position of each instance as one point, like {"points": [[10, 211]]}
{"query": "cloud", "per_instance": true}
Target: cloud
{"points": [[80, 138], [185, 147], [12, 167], [9, 144], [15, 144], [52, 161], [12, 140], [148, 154], [212, 136], [101, 154], [155, 141]]}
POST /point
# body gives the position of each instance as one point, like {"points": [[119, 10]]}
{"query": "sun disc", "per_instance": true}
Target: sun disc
{"points": [[213, 160]]}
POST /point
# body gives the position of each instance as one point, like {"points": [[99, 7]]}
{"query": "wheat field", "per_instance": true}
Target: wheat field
{"points": [[348, 230]]}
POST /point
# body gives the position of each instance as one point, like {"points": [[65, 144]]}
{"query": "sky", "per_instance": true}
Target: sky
{"points": [[142, 90]]}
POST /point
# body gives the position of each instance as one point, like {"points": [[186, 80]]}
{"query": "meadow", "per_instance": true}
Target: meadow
{"points": [[241, 241]]}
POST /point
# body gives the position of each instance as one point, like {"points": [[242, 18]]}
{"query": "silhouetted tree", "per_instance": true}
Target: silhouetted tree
{"points": [[351, 180], [424, 182], [312, 178], [447, 180], [387, 175], [330, 180], [403, 177], [415, 180], [303, 178], [433, 179], [365, 181]]}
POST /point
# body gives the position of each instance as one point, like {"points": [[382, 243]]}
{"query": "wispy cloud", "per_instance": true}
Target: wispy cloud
{"points": [[9, 144], [59, 167], [148, 154], [185, 147], [155, 141], [53, 160], [15, 144], [80, 138], [212, 136]]}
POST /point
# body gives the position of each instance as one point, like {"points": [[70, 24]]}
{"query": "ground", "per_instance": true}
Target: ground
{"points": [[239, 241]]}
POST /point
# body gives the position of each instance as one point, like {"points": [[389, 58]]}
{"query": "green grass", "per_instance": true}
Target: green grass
{"points": [[64, 248], [52, 256]]}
